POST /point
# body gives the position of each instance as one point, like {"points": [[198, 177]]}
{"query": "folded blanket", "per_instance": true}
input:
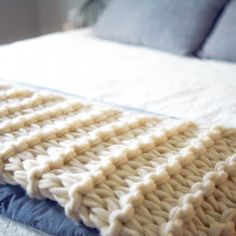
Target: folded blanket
{"points": [[120, 172]]}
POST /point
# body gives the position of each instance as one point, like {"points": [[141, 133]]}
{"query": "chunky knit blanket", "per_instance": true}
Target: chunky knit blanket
{"points": [[121, 172]]}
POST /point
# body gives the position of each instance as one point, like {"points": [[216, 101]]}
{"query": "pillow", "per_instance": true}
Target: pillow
{"points": [[221, 44], [178, 26]]}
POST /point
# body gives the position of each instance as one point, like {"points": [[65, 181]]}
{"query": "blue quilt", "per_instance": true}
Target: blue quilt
{"points": [[44, 215]]}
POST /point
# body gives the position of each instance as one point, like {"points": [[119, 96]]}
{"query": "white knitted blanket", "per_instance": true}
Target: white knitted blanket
{"points": [[121, 172]]}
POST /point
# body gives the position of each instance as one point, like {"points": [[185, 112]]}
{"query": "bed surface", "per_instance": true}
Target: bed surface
{"points": [[78, 63]]}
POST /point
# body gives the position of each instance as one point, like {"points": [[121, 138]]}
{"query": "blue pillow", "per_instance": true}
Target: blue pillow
{"points": [[221, 44], [177, 26]]}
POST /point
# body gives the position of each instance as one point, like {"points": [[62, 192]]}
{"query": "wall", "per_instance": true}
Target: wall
{"points": [[21, 19], [53, 14], [18, 20]]}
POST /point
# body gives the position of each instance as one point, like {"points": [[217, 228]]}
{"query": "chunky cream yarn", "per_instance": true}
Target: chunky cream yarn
{"points": [[121, 172]]}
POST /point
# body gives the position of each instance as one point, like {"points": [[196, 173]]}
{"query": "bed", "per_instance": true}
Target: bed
{"points": [[109, 71], [76, 63], [127, 76]]}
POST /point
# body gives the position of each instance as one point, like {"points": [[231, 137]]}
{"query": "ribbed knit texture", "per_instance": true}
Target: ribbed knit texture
{"points": [[121, 172]]}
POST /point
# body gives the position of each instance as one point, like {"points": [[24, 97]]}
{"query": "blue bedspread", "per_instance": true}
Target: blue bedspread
{"points": [[44, 215]]}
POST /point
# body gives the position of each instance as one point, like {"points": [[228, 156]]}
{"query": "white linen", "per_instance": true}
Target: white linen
{"points": [[76, 62], [10, 228]]}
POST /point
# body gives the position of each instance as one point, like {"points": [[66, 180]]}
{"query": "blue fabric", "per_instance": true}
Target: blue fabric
{"points": [[221, 44], [177, 26], [44, 215]]}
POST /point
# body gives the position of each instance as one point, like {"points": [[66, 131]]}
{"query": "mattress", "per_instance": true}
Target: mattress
{"points": [[130, 76], [78, 63]]}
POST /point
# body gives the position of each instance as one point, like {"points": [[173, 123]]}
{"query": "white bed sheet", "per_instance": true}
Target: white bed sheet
{"points": [[76, 62], [12, 228]]}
